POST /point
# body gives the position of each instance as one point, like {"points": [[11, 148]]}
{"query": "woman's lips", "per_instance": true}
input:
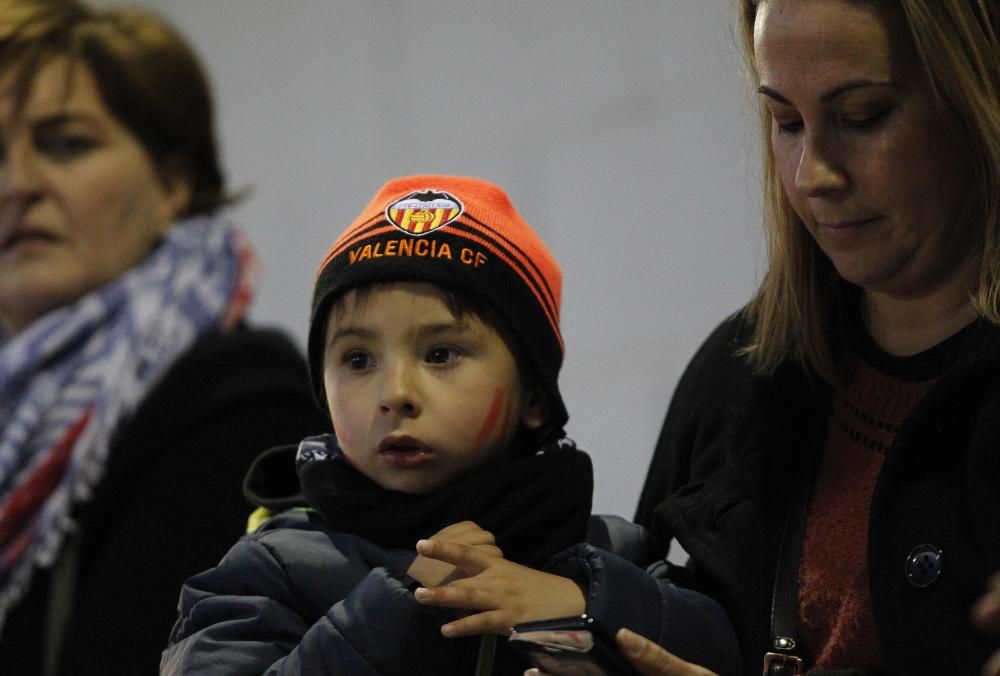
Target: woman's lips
{"points": [[24, 235], [847, 225]]}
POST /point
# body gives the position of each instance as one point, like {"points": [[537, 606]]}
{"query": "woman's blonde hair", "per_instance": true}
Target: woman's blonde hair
{"points": [[801, 308], [148, 76]]}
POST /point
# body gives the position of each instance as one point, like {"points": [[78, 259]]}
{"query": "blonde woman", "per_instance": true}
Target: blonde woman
{"points": [[830, 458]]}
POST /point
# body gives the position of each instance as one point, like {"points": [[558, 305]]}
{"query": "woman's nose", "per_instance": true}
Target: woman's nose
{"points": [[20, 175], [818, 172]]}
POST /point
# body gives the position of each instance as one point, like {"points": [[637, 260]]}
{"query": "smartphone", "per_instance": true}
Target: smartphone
{"points": [[570, 646]]}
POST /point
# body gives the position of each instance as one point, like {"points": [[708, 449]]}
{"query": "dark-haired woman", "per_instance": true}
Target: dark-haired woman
{"points": [[132, 395]]}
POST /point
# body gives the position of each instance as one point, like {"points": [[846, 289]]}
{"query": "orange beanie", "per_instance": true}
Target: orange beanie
{"points": [[460, 233]]}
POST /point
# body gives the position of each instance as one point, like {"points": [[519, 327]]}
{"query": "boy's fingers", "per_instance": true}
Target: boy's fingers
{"points": [[476, 537], [467, 533], [462, 556], [649, 659], [459, 528], [490, 550], [455, 596], [461, 525], [490, 622]]}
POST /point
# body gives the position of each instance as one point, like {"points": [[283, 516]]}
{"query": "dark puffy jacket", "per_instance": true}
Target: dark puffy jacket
{"points": [[297, 598]]}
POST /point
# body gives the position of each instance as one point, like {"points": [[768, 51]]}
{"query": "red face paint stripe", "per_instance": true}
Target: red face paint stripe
{"points": [[505, 421], [491, 418]]}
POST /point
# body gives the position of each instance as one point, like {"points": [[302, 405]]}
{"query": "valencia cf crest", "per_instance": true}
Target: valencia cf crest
{"points": [[422, 212]]}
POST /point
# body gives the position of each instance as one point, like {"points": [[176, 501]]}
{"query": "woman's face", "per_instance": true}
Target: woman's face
{"points": [[81, 200], [865, 159]]}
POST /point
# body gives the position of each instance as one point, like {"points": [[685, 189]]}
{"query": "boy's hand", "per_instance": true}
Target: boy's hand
{"points": [[431, 573], [496, 593]]}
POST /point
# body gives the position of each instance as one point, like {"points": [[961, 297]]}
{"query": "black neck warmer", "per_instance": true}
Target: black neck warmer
{"points": [[535, 506]]}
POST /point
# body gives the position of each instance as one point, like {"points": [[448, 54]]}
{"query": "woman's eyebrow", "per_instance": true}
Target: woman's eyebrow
{"points": [[63, 117], [830, 95]]}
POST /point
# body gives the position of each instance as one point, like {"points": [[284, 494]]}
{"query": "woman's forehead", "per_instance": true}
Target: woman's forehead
{"points": [[806, 40], [53, 84]]}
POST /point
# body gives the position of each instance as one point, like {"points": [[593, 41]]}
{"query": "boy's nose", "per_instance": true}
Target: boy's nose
{"points": [[399, 392]]}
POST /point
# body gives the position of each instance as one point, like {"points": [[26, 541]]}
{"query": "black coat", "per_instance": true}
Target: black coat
{"points": [[732, 445], [169, 505]]}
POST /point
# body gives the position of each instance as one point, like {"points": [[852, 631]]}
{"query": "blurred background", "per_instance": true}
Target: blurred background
{"points": [[623, 131]]}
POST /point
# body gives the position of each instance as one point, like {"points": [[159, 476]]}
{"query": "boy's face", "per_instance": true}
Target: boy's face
{"points": [[419, 397]]}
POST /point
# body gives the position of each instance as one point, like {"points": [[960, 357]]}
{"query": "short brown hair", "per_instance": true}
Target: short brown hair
{"points": [[800, 309], [147, 74]]}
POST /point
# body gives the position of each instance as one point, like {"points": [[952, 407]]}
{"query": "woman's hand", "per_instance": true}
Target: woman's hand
{"points": [[648, 658], [986, 614], [432, 573], [495, 593]]}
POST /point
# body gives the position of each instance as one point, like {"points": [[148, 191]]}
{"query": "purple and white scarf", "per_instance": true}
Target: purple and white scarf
{"points": [[70, 379]]}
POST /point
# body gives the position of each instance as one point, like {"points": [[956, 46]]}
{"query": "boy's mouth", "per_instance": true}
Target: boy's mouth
{"points": [[403, 451]]}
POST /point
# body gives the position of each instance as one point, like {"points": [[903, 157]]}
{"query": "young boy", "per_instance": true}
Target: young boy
{"points": [[435, 345]]}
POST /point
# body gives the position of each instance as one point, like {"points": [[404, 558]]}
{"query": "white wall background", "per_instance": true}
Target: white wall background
{"points": [[623, 132]]}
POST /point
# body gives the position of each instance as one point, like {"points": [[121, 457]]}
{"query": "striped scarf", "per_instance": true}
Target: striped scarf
{"points": [[74, 376]]}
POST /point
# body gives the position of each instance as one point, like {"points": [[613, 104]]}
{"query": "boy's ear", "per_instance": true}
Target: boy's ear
{"points": [[536, 411]]}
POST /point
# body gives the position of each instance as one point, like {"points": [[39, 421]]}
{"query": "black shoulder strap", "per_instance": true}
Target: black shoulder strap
{"points": [[811, 411], [781, 657]]}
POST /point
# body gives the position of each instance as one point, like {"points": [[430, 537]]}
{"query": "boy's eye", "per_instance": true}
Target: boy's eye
{"points": [[442, 355], [358, 360]]}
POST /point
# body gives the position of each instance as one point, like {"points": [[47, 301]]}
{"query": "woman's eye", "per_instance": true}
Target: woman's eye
{"points": [[789, 127], [63, 145], [442, 355], [865, 121], [358, 360]]}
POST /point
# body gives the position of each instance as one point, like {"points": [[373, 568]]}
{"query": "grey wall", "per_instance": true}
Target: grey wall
{"points": [[622, 130]]}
